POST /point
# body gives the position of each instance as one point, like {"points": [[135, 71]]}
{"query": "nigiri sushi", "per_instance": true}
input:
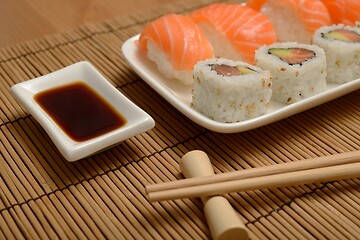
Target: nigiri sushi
{"points": [[175, 43], [235, 31], [343, 11], [293, 20]]}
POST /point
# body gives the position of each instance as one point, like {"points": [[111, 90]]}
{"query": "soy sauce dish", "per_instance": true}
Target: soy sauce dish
{"points": [[81, 111]]}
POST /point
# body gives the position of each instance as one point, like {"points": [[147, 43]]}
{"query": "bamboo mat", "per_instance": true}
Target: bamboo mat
{"points": [[43, 196]]}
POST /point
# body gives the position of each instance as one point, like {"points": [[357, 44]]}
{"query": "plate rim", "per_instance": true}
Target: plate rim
{"points": [[129, 50]]}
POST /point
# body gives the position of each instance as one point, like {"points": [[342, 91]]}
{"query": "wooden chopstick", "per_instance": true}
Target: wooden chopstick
{"points": [[325, 161], [320, 169]]}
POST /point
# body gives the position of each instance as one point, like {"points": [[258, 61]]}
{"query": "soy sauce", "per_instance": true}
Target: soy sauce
{"points": [[79, 111]]}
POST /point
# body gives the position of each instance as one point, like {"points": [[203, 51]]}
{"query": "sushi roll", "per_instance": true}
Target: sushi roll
{"points": [[342, 47], [298, 70], [293, 20], [175, 44], [235, 31], [230, 91], [343, 11]]}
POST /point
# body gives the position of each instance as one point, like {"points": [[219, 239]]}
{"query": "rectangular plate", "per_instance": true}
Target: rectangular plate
{"points": [[180, 96]]}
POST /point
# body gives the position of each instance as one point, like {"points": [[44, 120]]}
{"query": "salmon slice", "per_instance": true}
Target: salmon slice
{"points": [[292, 55], [343, 35], [290, 16], [343, 11], [179, 38], [226, 70], [256, 4], [245, 29]]}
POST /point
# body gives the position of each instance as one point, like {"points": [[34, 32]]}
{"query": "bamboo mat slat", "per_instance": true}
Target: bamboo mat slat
{"points": [[42, 196]]}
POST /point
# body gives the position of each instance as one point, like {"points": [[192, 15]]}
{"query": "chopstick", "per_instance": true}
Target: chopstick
{"points": [[320, 169]]}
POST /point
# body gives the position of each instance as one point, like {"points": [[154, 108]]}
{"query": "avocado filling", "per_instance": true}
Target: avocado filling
{"points": [[342, 35], [292, 55], [226, 70]]}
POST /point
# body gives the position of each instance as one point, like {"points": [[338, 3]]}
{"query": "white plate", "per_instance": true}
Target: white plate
{"points": [[137, 121], [180, 96]]}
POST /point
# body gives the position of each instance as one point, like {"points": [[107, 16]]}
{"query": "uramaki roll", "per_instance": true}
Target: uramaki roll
{"points": [[230, 91], [342, 47], [298, 70]]}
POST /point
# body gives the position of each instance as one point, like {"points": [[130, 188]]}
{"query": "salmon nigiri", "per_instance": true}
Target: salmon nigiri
{"points": [[294, 20], [175, 43], [235, 31], [343, 11]]}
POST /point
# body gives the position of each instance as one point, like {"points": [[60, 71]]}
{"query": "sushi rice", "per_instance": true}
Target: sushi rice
{"points": [[158, 56], [231, 97]]}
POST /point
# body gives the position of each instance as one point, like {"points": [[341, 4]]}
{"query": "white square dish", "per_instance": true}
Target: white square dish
{"points": [[137, 120]]}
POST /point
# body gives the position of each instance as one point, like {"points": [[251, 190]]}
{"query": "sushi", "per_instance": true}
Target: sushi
{"points": [[230, 91], [235, 31], [298, 70], [346, 12], [175, 43], [293, 20], [342, 47]]}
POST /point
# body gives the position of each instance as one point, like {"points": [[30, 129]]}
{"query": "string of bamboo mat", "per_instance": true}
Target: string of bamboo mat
{"points": [[102, 197]]}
